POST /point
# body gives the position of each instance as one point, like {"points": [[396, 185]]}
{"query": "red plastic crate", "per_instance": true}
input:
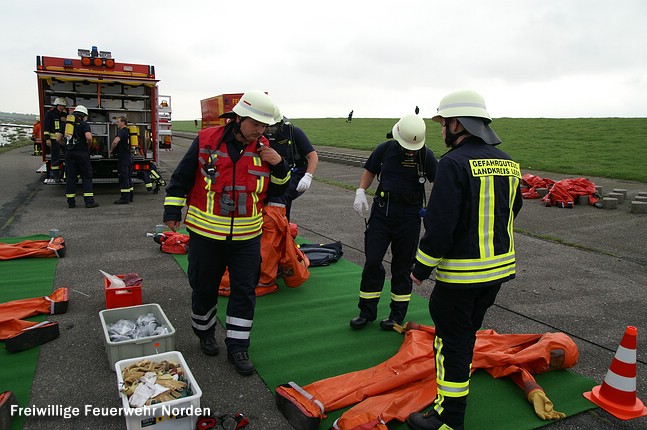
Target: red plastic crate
{"points": [[119, 297]]}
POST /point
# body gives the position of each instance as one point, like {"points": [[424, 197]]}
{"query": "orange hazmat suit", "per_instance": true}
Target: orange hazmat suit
{"points": [[406, 382]]}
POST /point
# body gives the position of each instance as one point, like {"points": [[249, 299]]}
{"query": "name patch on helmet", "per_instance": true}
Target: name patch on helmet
{"points": [[495, 167]]}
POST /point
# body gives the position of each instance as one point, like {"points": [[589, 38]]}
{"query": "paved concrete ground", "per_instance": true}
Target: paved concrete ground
{"points": [[582, 271]]}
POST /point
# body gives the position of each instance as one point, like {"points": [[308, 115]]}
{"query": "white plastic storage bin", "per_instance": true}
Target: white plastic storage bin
{"points": [[136, 347], [177, 414]]}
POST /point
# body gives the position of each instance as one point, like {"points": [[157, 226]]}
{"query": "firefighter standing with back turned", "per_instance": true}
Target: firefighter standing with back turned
{"points": [[53, 130], [402, 166], [468, 239], [224, 179], [121, 143], [77, 159]]}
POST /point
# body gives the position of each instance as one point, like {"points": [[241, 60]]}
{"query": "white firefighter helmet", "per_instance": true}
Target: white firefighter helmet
{"points": [[278, 116], [410, 132], [468, 107], [81, 109], [60, 101], [462, 103], [256, 105]]}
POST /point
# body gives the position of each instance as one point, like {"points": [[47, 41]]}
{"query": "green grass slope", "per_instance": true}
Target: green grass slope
{"points": [[604, 147]]}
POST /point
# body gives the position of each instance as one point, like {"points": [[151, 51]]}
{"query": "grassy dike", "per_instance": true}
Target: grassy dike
{"points": [[605, 147]]}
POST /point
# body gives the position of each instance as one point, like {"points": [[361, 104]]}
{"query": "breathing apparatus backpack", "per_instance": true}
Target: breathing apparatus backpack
{"points": [[70, 128], [133, 132]]}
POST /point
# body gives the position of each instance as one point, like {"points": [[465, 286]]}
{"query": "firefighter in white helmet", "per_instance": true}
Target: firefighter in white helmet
{"points": [[77, 159], [468, 239], [402, 165], [295, 147], [224, 179], [52, 132]]}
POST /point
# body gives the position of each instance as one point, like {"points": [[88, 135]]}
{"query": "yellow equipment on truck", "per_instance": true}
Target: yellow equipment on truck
{"points": [[108, 89]]}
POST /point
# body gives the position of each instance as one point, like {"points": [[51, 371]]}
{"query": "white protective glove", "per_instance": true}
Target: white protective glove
{"points": [[304, 183], [360, 203]]}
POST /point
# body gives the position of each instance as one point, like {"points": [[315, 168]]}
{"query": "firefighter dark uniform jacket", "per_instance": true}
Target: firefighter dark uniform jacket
{"points": [[469, 220], [293, 145], [53, 123], [223, 189]]}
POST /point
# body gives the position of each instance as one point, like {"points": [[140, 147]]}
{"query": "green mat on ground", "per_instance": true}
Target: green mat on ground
{"points": [[302, 335], [23, 278]]}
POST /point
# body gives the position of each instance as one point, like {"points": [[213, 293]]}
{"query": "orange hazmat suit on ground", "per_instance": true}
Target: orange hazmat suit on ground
{"points": [[13, 313], [54, 247], [406, 382]]}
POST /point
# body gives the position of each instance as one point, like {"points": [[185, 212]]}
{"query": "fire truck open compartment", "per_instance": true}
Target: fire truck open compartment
{"points": [[108, 89]]}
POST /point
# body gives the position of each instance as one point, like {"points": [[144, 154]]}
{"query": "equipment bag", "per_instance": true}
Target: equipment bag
{"points": [[320, 254], [172, 242]]}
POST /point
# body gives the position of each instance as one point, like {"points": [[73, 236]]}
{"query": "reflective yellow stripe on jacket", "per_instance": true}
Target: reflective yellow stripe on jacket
{"points": [[174, 201], [219, 227], [467, 271]]}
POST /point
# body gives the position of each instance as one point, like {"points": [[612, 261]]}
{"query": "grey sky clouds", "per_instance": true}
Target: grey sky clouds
{"points": [[529, 58]]}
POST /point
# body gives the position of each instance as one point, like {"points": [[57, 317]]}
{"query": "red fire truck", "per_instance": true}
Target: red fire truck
{"points": [[215, 106], [108, 89]]}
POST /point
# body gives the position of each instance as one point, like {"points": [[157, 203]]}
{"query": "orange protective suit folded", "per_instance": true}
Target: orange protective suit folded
{"points": [[12, 314], [406, 382], [173, 242], [280, 255], [54, 247], [564, 193]]}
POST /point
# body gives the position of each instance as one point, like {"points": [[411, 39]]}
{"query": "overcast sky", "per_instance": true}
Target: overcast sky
{"points": [[316, 59]]}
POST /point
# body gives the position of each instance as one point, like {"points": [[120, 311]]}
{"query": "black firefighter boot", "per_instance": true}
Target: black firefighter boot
{"points": [[124, 199], [71, 202], [90, 203], [132, 195]]}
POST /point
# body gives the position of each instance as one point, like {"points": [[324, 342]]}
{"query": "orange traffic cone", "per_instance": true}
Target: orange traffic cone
{"points": [[617, 394]]}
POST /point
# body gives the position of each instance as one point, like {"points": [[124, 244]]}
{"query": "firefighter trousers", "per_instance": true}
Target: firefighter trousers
{"points": [[55, 161], [124, 170], [458, 313], [77, 163], [397, 226], [208, 259]]}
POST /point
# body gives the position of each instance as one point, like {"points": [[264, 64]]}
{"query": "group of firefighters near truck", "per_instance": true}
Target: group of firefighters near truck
{"points": [[71, 136], [231, 172]]}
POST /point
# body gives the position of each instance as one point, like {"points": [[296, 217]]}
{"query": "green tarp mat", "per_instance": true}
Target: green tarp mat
{"points": [[303, 335], [23, 278]]}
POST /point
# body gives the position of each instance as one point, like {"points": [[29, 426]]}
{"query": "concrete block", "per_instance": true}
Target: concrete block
{"points": [[541, 191], [609, 203], [642, 193], [621, 191], [638, 207], [641, 198], [582, 200], [619, 196], [598, 190]]}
